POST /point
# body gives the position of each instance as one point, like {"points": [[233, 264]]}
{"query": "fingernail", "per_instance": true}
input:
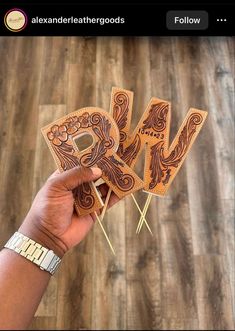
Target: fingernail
{"points": [[96, 172]]}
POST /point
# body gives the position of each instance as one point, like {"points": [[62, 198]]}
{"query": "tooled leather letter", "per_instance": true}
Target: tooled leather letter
{"points": [[162, 161], [60, 137]]}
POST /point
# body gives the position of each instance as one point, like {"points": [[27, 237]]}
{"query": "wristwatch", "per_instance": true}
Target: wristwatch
{"points": [[36, 253]]}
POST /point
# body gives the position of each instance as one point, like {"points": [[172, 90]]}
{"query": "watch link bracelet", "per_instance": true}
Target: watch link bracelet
{"points": [[36, 253]]}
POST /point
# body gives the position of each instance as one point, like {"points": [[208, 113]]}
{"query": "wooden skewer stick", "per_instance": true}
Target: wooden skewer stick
{"points": [[105, 234], [141, 213], [146, 210], [141, 221], [105, 204]]}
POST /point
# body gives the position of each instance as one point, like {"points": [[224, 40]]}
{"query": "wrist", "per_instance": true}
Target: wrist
{"points": [[42, 236]]}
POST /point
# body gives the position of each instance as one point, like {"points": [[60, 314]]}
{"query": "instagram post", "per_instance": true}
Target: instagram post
{"points": [[117, 166]]}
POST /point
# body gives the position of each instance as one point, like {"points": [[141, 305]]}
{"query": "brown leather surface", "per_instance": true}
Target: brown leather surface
{"points": [[111, 134], [162, 159], [60, 136]]}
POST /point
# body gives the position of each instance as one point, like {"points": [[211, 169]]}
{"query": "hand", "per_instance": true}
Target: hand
{"points": [[52, 220]]}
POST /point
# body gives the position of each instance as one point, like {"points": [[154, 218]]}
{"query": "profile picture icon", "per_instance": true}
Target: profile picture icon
{"points": [[15, 20]]}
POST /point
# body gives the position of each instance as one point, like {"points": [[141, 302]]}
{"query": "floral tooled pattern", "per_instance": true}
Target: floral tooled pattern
{"points": [[84, 196], [101, 126], [58, 137], [72, 124], [115, 175], [161, 166], [65, 155], [58, 134], [120, 112], [131, 152], [84, 120], [156, 119]]}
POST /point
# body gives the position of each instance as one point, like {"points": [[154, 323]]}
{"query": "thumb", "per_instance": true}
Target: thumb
{"points": [[74, 177]]}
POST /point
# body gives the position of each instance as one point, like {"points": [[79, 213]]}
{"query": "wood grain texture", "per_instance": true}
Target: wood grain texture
{"points": [[110, 278], [180, 278]]}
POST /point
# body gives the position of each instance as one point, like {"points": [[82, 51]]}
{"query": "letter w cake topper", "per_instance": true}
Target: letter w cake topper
{"points": [[162, 159]]}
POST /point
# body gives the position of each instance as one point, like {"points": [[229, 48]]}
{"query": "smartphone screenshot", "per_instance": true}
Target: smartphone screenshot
{"points": [[117, 165]]}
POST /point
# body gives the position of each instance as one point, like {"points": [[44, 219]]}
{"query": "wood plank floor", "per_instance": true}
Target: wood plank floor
{"points": [[180, 278]]}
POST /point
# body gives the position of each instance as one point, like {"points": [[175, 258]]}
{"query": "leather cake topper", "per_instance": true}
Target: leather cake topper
{"points": [[117, 158], [60, 137], [162, 161]]}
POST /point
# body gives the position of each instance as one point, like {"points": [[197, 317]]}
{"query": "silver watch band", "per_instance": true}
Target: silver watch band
{"points": [[36, 253]]}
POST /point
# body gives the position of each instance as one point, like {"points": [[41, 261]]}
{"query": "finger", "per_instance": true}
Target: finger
{"points": [[72, 178], [54, 174], [78, 229]]}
